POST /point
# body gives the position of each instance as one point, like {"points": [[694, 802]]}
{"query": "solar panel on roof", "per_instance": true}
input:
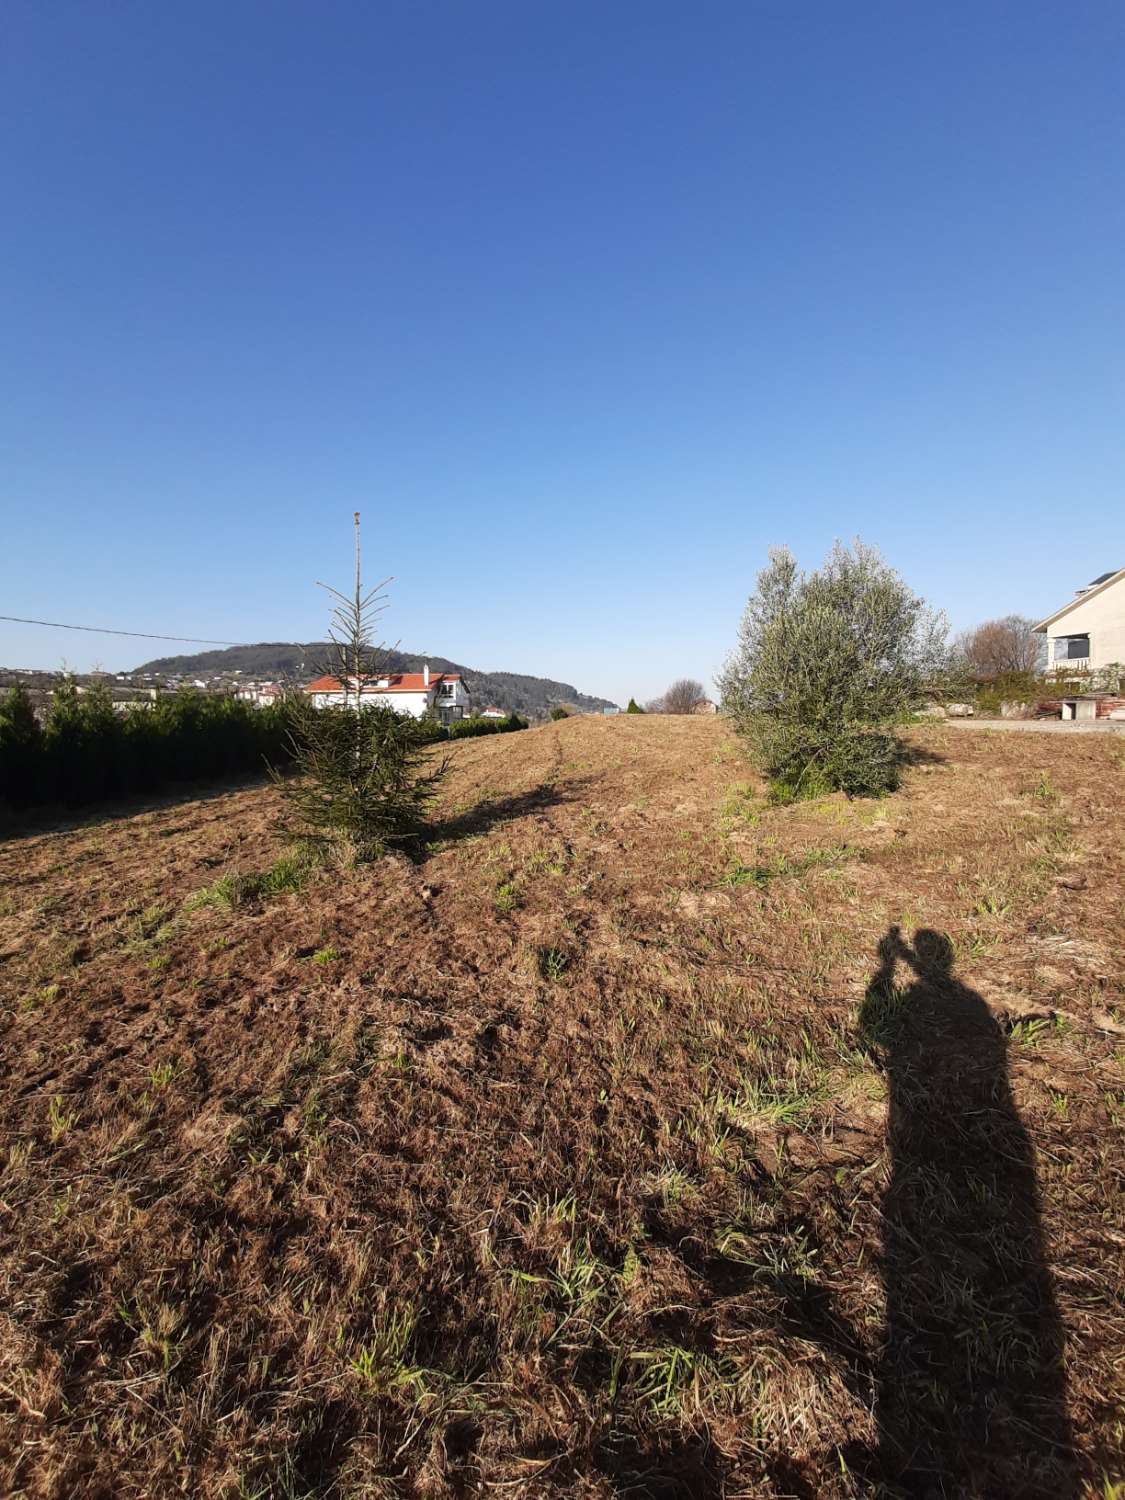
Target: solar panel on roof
{"points": [[1101, 578]]}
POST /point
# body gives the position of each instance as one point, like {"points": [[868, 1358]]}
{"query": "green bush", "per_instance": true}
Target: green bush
{"points": [[86, 751], [559, 713], [988, 693], [634, 707], [465, 729], [827, 663]]}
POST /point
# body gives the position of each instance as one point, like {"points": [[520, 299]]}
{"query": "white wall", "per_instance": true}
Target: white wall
{"points": [[415, 704], [402, 703], [1102, 618]]}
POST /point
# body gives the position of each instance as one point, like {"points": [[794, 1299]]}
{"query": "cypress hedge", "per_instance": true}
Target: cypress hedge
{"points": [[86, 751]]}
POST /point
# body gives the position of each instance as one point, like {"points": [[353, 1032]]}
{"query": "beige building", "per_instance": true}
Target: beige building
{"points": [[1088, 633]]}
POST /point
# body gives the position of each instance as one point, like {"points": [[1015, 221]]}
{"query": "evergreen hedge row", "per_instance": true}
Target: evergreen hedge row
{"points": [[464, 729], [467, 729], [87, 751]]}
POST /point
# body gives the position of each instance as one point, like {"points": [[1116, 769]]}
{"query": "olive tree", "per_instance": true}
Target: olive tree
{"points": [[827, 663]]}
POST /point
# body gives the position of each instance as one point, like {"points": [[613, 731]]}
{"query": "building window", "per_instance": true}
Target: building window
{"points": [[1072, 647], [447, 690]]}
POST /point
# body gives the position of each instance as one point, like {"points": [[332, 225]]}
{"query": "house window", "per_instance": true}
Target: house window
{"points": [[446, 690], [1072, 647]]}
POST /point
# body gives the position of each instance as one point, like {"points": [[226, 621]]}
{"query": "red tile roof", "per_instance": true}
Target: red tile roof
{"points": [[398, 682]]}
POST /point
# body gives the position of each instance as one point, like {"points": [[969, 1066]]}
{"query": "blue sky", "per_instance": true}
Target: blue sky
{"points": [[584, 306]]}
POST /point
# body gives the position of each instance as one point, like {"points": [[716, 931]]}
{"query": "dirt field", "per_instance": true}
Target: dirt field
{"points": [[643, 1140]]}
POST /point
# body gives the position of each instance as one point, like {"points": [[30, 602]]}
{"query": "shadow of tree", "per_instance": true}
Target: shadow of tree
{"points": [[492, 811], [970, 1386], [31, 822], [911, 754]]}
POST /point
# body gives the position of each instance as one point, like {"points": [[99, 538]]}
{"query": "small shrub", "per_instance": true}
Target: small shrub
{"points": [[558, 712], [634, 707]]}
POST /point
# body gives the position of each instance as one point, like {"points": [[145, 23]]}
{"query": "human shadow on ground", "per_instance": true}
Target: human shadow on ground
{"points": [[970, 1385]]}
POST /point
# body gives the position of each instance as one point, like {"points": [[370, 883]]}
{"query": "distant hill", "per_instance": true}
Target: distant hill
{"points": [[280, 662]]}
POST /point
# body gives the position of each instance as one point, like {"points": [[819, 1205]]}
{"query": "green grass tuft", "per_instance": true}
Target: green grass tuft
{"points": [[288, 873]]}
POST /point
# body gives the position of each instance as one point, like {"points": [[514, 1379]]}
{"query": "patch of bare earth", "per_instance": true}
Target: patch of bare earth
{"points": [[558, 1163]]}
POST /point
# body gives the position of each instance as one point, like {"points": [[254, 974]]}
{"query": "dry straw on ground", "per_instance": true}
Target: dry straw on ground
{"points": [[557, 1163]]}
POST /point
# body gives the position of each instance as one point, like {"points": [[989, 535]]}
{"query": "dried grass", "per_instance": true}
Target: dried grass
{"points": [[581, 1192]]}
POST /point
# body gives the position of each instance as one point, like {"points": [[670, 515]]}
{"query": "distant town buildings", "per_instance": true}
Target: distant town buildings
{"points": [[260, 693]]}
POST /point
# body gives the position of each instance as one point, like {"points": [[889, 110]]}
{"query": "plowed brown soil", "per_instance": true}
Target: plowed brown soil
{"points": [[562, 1161]]}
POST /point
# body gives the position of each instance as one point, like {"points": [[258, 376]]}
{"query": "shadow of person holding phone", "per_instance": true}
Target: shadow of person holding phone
{"points": [[971, 1385]]}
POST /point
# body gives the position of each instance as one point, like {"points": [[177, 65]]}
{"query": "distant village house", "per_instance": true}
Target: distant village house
{"points": [[445, 694]]}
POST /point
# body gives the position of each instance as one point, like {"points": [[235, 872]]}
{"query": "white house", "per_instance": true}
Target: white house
{"points": [[493, 713], [443, 693], [1088, 633]]}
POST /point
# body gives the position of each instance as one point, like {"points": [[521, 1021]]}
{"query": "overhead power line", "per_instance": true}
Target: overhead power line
{"points": [[144, 635]]}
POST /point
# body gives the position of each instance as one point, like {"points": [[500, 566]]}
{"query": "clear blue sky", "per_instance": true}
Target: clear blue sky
{"points": [[584, 306]]}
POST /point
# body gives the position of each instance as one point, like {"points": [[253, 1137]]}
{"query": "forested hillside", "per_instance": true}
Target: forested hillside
{"points": [[297, 663]]}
